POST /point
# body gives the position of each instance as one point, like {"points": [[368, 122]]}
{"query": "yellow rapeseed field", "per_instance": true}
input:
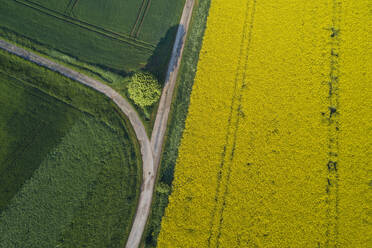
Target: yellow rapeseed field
{"points": [[276, 150]]}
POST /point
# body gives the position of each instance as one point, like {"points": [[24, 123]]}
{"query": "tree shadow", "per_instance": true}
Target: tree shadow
{"points": [[34, 126], [157, 64]]}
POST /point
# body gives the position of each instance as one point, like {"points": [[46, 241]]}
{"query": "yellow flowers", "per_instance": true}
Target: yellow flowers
{"points": [[275, 149]]}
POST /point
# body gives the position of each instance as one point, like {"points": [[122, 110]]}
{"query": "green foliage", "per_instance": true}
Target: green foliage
{"points": [[77, 171], [144, 89], [177, 119], [90, 52], [97, 33], [163, 188]]}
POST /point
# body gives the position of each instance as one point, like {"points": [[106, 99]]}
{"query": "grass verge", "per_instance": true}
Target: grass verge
{"points": [[176, 122]]}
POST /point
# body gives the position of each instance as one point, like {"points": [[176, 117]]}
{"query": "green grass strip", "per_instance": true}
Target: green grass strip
{"points": [[177, 119]]}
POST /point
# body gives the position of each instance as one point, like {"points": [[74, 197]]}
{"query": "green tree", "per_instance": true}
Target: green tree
{"points": [[144, 89]]}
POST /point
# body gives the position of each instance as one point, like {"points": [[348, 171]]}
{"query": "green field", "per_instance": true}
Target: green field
{"points": [[121, 36], [69, 166]]}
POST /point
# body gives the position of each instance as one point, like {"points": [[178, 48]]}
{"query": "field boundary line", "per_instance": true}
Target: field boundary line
{"points": [[162, 115], [58, 15], [99, 30]]}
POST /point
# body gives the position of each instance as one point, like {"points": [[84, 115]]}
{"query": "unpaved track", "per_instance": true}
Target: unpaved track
{"points": [[161, 120], [151, 152], [147, 158]]}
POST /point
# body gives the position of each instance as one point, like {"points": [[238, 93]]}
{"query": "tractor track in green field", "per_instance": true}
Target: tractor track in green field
{"points": [[148, 173], [70, 7], [150, 149], [141, 9], [87, 26], [140, 18]]}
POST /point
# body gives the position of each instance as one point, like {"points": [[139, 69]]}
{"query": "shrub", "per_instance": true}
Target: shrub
{"points": [[144, 89]]}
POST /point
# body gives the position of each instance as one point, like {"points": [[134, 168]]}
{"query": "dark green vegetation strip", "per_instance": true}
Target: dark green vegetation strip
{"points": [[71, 174], [177, 120]]}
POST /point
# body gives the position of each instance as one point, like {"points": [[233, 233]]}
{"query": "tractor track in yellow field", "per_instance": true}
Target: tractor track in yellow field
{"points": [[232, 128]]}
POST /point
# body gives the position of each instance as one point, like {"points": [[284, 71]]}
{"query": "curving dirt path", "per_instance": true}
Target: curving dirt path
{"points": [[150, 151], [148, 180]]}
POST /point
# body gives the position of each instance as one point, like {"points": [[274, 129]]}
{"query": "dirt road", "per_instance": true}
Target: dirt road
{"points": [[151, 152], [161, 120], [148, 179]]}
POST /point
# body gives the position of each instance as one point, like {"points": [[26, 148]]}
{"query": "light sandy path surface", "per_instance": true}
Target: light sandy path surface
{"points": [[161, 120], [151, 152], [147, 158]]}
